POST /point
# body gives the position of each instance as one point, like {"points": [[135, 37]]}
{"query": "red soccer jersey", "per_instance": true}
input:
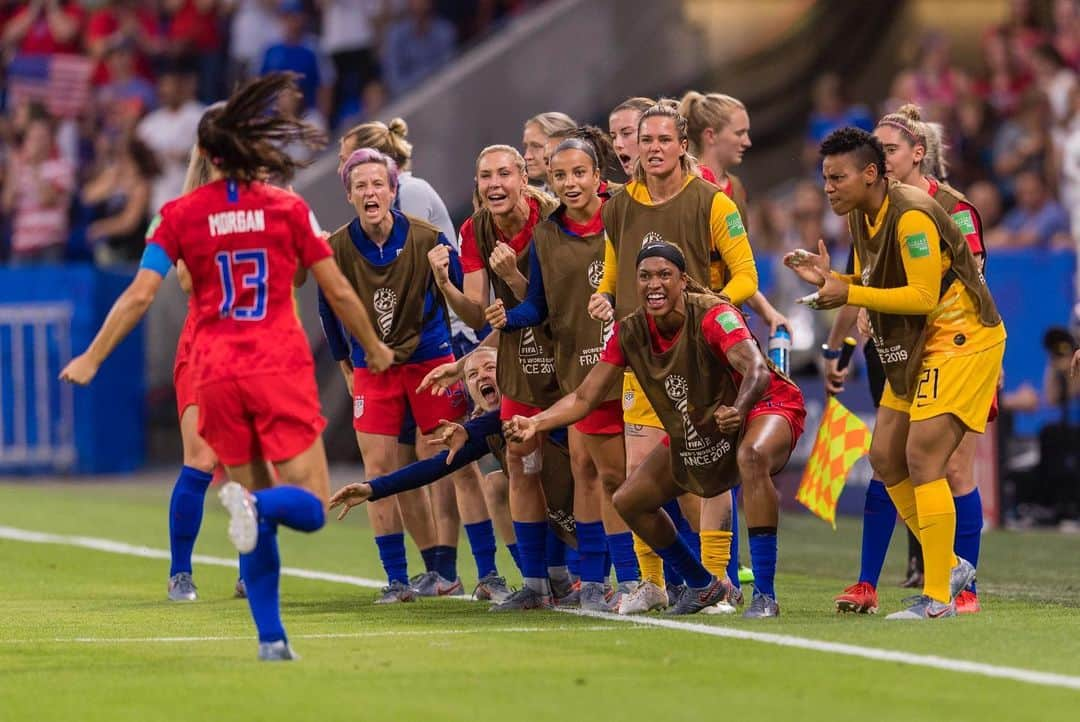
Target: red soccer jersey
{"points": [[470, 253], [967, 219], [723, 327], [242, 244]]}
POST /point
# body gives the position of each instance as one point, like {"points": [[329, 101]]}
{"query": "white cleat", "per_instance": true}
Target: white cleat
{"points": [[647, 597], [278, 651], [243, 519], [720, 608]]}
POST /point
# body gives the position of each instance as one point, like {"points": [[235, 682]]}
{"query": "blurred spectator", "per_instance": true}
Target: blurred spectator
{"points": [[44, 27], [126, 95], [1070, 162], [119, 201], [938, 82], [253, 27], [1005, 80], [1055, 79], [831, 111], [1038, 220], [971, 153], [1022, 143], [903, 90], [417, 46], [38, 183], [297, 53], [195, 33], [170, 131], [1067, 31], [985, 197], [127, 23], [349, 36]]}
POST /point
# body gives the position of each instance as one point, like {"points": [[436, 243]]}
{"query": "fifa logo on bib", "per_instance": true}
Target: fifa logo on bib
{"points": [[385, 301], [650, 238], [528, 345], [607, 328], [866, 276], [596, 272], [676, 389]]}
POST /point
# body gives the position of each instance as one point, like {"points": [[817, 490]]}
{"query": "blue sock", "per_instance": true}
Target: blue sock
{"points": [[514, 554], [185, 516], [573, 561], [763, 559], [969, 521], [671, 575], [260, 571], [879, 520], [531, 536], [607, 564], [482, 542], [679, 556], [621, 547], [431, 559], [591, 547], [292, 506], [554, 549], [447, 562], [733, 561], [392, 556]]}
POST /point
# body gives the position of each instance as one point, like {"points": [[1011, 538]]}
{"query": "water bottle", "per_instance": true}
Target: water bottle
{"points": [[780, 348]]}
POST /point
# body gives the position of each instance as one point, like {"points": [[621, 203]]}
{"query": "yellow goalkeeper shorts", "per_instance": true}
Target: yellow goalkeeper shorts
{"points": [[636, 406]]}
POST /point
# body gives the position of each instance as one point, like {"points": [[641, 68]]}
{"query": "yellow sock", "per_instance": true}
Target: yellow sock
{"points": [[650, 563], [903, 498], [716, 551], [937, 531]]}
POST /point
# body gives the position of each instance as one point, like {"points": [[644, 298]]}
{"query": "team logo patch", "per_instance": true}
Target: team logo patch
{"points": [[964, 222], [918, 245], [596, 272], [627, 400], [734, 224], [728, 321], [358, 407], [650, 238], [384, 301]]}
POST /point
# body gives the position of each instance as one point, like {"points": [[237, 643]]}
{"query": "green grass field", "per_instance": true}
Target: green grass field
{"points": [[87, 635]]}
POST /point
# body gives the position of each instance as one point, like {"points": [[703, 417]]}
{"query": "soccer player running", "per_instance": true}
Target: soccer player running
{"points": [[914, 155], [494, 257], [938, 334], [667, 200], [465, 443], [565, 266], [242, 241], [728, 414]]}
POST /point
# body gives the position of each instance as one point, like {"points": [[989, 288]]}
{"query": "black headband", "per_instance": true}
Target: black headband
{"points": [[577, 144], [664, 250]]}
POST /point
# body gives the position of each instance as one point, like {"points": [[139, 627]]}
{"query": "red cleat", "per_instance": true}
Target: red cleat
{"points": [[859, 598], [967, 602]]}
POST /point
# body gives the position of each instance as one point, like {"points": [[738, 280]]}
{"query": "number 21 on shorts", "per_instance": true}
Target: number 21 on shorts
{"points": [[243, 276], [928, 385]]}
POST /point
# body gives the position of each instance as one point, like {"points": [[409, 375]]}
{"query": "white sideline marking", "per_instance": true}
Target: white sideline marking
{"points": [[341, 635], [1048, 679]]}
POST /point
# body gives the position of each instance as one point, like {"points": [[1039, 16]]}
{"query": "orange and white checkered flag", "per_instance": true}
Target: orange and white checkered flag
{"points": [[841, 441]]}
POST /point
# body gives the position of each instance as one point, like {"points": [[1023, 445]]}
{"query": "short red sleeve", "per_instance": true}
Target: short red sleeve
{"points": [[724, 327], [612, 353], [470, 253], [310, 248], [967, 219], [161, 232]]}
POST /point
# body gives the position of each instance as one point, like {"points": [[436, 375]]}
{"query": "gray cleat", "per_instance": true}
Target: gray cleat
{"points": [[433, 584], [240, 591], [570, 600], [278, 651], [395, 592], [182, 588], [762, 606], [694, 599], [492, 588], [594, 598], [961, 577], [924, 607], [523, 599]]}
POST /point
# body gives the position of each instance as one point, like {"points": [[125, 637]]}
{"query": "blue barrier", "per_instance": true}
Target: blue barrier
{"points": [[47, 314]]}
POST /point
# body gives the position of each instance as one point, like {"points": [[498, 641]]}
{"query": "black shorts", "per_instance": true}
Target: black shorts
{"points": [[875, 372]]}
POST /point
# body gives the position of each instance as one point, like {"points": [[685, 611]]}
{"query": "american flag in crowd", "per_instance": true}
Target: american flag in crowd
{"points": [[61, 82]]}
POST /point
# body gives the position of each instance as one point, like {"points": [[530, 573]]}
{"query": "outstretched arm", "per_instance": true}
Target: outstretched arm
{"points": [[571, 408]]}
